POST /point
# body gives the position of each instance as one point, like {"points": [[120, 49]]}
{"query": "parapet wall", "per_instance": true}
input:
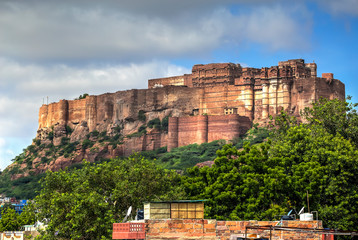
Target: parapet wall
{"points": [[186, 229], [172, 81]]}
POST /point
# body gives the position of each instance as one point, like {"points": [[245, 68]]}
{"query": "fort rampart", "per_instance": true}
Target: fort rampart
{"points": [[215, 101], [203, 128]]}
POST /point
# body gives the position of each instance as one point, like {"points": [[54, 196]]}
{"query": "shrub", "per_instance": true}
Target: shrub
{"points": [[154, 123], [70, 147], [94, 149], [142, 128], [50, 145], [29, 163], [95, 133], [83, 96], [31, 148], [50, 135], [87, 144], [69, 130], [117, 129], [42, 146], [64, 141], [165, 123], [141, 116], [115, 137], [44, 160], [161, 150], [37, 141]]}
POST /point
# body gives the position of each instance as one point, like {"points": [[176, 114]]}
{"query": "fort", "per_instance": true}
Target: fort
{"points": [[216, 101]]}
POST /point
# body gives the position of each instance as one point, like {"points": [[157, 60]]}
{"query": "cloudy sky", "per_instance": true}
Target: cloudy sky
{"points": [[62, 49]]}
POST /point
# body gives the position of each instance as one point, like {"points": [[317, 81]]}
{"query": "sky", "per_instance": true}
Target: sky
{"points": [[61, 49]]}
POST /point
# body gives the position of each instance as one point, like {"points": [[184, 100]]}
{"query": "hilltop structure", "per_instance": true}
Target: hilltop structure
{"points": [[215, 101]]}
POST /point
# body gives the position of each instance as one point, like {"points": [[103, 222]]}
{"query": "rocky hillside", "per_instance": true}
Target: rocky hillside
{"points": [[39, 156], [60, 146]]}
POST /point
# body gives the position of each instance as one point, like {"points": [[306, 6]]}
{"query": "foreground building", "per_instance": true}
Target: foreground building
{"points": [[184, 219]]}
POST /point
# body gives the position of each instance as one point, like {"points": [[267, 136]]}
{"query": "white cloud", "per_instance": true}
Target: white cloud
{"points": [[341, 7], [276, 28], [117, 30]]}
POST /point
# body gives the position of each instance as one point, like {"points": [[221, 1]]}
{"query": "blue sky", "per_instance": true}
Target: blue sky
{"points": [[62, 49]]}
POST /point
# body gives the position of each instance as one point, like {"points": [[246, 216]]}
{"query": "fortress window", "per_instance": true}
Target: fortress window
{"points": [[228, 111]]}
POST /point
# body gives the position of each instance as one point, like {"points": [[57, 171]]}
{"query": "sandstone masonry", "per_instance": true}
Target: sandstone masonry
{"points": [[216, 101]]}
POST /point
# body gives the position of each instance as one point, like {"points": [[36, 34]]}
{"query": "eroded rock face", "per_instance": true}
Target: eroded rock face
{"points": [[80, 132], [59, 131]]}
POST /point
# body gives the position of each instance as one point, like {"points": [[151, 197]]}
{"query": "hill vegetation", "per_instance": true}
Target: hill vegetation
{"points": [[178, 159]]}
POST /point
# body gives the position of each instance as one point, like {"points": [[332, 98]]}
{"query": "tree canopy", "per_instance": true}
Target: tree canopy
{"points": [[83, 203], [336, 116], [265, 180], [11, 221]]}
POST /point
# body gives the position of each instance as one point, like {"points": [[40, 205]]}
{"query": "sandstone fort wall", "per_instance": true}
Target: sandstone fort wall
{"points": [[203, 128], [215, 101]]}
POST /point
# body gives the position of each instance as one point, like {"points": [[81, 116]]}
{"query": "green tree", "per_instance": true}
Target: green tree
{"points": [[281, 123], [325, 165], [9, 220], [239, 185], [28, 216], [12, 221], [271, 178], [335, 116], [83, 96], [83, 203]]}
